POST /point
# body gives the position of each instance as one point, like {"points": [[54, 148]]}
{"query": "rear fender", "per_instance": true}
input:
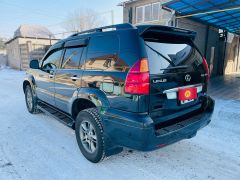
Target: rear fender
{"points": [[96, 96]]}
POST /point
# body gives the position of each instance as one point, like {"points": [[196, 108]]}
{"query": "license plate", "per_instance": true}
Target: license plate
{"points": [[187, 94], [186, 101]]}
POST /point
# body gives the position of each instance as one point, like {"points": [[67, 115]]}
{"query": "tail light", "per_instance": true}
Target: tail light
{"points": [[137, 81], [205, 66]]}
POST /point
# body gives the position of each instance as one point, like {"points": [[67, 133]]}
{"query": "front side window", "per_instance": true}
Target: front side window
{"points": [[72, 58], [52, 61]]}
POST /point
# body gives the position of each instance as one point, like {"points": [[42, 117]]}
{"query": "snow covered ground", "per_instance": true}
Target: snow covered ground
{"points": [[39, 147]]}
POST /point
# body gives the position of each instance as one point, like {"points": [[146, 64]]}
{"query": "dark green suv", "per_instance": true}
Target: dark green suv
{"points": [[141, 87]]}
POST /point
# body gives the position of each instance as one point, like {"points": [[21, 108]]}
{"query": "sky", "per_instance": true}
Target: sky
{"points": [[51, 13]]}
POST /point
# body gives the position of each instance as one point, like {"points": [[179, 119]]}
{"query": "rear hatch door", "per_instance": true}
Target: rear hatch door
{"points": [[177, 75]]}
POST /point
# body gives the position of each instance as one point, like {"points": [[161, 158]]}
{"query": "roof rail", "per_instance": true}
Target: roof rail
{"points": [[101, 29]]}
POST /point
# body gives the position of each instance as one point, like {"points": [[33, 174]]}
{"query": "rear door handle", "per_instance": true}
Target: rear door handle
{"points": [[74, 78]]}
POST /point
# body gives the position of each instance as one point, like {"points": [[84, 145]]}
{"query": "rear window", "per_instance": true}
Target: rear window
{"points": [[165, 55]]}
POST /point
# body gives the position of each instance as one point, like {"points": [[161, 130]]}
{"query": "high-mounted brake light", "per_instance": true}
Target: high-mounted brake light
{"points": [[205, 66], [137, 81]]}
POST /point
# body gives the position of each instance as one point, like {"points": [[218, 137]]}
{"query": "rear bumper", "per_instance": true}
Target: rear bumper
{"points": [[184, 130], [137, 131]]}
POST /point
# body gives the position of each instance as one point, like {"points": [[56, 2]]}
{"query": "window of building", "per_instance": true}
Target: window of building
{"points": [[155, 11], [139, 14], [72, 58], [147, 13]]}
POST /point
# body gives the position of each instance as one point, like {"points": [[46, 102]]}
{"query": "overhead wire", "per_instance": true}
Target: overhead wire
{"points": [[38, 12], [33, 11]]}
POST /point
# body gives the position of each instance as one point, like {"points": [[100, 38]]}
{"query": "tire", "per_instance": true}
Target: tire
{"points": [[89, 135], [31, 100]]}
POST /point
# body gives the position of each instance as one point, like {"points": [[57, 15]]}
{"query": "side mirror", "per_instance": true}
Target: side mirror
{"points": [[34, 64]]}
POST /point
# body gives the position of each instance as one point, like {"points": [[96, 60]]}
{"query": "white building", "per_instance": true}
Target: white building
{"points": [[29, 42]]}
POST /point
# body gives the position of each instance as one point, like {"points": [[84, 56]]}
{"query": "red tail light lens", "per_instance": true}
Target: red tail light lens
{"points": [[137, 81], [205, 66]]}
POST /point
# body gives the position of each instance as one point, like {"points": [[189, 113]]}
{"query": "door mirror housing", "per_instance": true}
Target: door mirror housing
{"points": [[34, 64]]}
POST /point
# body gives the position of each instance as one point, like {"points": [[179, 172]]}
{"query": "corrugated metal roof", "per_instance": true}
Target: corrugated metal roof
{"points": [[223, 14]]}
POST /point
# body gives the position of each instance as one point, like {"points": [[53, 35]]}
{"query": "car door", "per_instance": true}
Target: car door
{"points": [[68, 77], [45, 78]]}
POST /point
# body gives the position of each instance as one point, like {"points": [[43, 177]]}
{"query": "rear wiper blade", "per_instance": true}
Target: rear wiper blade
{"points": [[176, 67], [160, 54]]}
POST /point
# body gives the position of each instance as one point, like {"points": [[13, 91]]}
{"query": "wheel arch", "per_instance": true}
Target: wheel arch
{"points": [[25, 83], [29, 80], [88, 98], [80, 104]]}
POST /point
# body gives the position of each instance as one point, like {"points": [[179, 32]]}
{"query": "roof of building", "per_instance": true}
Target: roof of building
{"points": [[36, 31], [132, 1], [126, 2], [222, 14], [32, 32]]}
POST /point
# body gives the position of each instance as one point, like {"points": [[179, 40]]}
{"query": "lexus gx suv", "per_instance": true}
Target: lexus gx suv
{"points": [[141, 87]]}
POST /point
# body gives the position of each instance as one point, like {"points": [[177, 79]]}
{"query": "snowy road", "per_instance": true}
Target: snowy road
{"points": [[39, 147]]}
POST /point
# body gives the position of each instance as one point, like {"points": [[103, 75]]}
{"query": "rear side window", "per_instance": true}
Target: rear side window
{"points": [[174, 55], [103, 53], [72, 58]]}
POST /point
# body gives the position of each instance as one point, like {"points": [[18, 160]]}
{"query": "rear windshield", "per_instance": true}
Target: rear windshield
{"points": [[162, 56]]}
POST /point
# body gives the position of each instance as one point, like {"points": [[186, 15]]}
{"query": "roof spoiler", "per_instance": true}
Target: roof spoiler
{"points": [[168, 30]]}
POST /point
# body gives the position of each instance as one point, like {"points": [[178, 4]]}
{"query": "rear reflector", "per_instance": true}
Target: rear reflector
{"points": [[137, 81]]}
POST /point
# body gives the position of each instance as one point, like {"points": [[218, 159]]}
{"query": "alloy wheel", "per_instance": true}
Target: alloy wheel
{"points": [[88, 136], [29, 99]]}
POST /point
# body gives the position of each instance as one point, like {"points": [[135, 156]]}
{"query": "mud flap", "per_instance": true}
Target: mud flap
{"points": [[110, 148]]}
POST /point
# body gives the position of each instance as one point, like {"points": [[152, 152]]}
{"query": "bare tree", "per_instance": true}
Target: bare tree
{"points": [[83, 19]]}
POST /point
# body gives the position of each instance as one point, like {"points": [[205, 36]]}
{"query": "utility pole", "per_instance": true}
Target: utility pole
{"points": [[50, 38]]}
